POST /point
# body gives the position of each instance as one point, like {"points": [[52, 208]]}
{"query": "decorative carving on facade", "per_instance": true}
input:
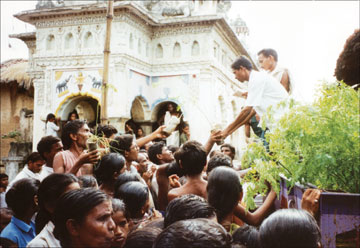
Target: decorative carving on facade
{"points": [[172, 31], [169, 8]]}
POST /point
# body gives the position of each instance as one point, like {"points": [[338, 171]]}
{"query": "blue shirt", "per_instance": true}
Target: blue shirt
{"points": [[19, 232]]}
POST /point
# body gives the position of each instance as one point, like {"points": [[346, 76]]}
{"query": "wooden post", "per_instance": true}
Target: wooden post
{"points": [[109, 18]]}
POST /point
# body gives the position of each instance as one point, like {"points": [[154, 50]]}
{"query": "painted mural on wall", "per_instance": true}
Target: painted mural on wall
{"points": [[157, 89], [68, 84]]}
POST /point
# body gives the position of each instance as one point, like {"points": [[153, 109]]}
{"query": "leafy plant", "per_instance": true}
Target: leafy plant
{"points": [[15, 134], [317, 143]]}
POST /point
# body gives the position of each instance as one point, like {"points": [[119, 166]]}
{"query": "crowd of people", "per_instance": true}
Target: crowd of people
{"points": [[146, 192]]}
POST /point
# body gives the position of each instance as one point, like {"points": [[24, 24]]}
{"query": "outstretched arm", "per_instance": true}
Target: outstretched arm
{"points": [[157, 134], [244, 116], [214, 136], [258, 216]]}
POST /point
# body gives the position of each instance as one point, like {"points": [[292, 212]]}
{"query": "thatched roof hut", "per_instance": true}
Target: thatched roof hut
{"points": [[15, 71]]}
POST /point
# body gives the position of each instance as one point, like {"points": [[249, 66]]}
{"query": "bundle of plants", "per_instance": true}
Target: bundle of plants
{"points": [[316, 143]]}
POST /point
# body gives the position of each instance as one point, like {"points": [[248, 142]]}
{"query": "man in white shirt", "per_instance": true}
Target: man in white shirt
{"points": [[32, 168], [48, 147], [264, 91], [268, 60]]}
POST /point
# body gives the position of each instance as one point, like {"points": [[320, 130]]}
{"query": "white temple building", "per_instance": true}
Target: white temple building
{"points": [[161, 51]]}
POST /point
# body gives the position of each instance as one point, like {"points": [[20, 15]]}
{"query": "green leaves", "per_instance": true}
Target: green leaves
{"points": [[317, 143]]}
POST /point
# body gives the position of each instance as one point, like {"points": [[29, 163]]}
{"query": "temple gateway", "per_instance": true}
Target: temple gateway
{"points": [[161, 52]]}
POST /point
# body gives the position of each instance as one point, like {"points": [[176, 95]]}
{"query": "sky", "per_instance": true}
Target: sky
{"points": [[307, 35]]}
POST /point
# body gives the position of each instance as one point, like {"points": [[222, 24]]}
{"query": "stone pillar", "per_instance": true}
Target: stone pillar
{"points": [[39, 104]]}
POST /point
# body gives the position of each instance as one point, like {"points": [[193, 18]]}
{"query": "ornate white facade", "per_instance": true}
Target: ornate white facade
{"points": [[178, 51]]}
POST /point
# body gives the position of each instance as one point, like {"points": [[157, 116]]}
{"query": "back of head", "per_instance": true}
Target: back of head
{"points": [[142, 237], [21, 195], [109, 165], [187, 207], [88, 181], [242, 61], [199, 233], [121, 143], [72, 127], [218, 160], [267, 52], [106, 130], [134, 195], [75, 205], [45, 144], [223, 190], [50, 190], [174, 168], [124, 178], [192, 157], [290, 228], [154, 150], [247, 236]]}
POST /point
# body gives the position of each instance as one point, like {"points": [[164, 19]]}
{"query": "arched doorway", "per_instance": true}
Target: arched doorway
{"points": [[158, 116], [140, 116], [87, 107]]}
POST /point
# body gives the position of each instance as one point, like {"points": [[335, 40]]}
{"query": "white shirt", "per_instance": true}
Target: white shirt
{"points": [[24, 173], [51, 129], [45, 238], [265, 91], [45, 171]]}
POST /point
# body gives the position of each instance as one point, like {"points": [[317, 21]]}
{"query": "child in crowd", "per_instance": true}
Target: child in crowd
{"points": [[51, 125]]}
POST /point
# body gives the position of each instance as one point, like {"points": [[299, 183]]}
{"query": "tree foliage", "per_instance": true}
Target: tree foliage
{"points": [[317, 143]]}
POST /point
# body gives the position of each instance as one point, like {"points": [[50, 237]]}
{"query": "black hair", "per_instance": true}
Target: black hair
{"points": [[109, 165], [73, 112], [267, 52], [7, 243], [21, 195], [199, 233], [33, 157], [155, 150], [119, 205], [49, 117], [187, 207], [106, 130], [242, 61], [156, 223], [218, 160], [72, 127], [121, 143], [174, 168], [50, 190], [192, 156], [125, 178], [135, 196], [290, 228], [223, 190], [3, 175], [173, 148], [246, 235], [143, 237], [75, 205], [45, 144], [87, 181]]}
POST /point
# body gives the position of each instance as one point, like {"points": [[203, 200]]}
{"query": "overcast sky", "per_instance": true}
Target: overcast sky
{"points": [[308, 35]]}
